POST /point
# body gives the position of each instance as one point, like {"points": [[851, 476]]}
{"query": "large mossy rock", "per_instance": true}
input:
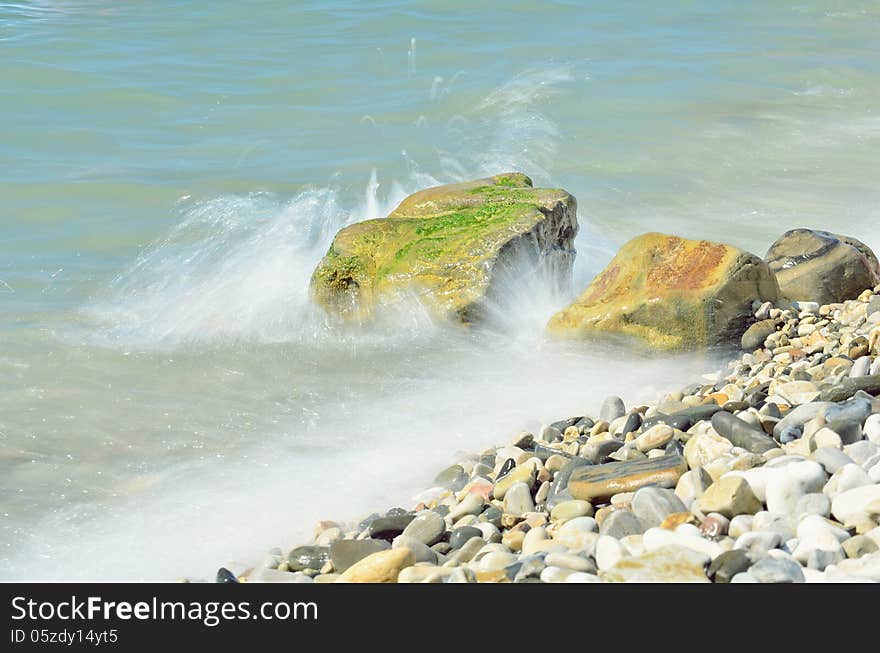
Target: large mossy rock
{"points": [[819, 266], [446, 246], [670, 293]]}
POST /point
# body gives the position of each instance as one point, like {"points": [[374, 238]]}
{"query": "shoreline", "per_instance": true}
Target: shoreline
{"points": [[770, 473]]}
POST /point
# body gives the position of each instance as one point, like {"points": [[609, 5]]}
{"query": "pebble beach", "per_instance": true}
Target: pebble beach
{"points": [[766, 473]]}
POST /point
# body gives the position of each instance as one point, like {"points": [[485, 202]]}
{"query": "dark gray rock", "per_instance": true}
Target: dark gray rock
{"points": [[461, 535], [387, 528], [683, 419], [559, 487], [741, 433], [633, 423], [308, 557], [225, 576], [819, 266], [727, 565]]}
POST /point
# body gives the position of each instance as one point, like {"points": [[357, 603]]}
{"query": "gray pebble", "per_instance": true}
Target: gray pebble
{"points": [[612, 408], [428, 528], [621, 523], [777, 570], [652, 505]]}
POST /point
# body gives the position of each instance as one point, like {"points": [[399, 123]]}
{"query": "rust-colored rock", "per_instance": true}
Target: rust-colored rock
{"points": [[671, 293]]}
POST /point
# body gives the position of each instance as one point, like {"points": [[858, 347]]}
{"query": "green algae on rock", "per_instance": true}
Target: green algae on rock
{"points": [[671, 293], [445, 245]]}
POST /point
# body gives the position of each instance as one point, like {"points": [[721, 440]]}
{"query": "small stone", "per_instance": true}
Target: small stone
{"points": [[861, 367], [756, 334], [472, 504], [380, 567], [550, 434], [387, 528], [608, 551], [654, 438], [425, 574], [831, 458], [523, 440], [653, 504], [714, 525], [421, 551], [612, 408], [797, 392], [859, 545], [727, 565], [704, 448], [571, 509], [518, 500], [655, 538], [308, 557], [692, 484], [571, 562], [776, 570], [460, 536], [854, 503], [428, 528], [578, 533], [621, 523], [742, 434], [790, 483], [669, 564], [730, 496], [453, 478], [525, 473], [739, 525], [532, 540], [758, 543]]}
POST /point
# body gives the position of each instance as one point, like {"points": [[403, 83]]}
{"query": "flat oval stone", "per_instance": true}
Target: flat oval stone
{"points": [[601, 482], [308, 557], [427, 527], [571, 510]]}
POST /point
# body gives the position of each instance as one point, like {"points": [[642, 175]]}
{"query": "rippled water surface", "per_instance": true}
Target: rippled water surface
{"points": [[171, 173]]}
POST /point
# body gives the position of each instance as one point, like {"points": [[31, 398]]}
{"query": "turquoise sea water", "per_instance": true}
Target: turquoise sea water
{"points": [[171, 172]]}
